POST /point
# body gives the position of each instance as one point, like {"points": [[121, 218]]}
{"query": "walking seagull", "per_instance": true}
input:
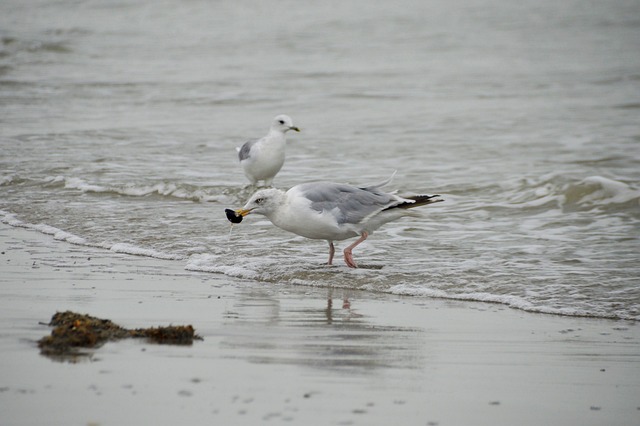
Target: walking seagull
{"points": [[331, 211]]}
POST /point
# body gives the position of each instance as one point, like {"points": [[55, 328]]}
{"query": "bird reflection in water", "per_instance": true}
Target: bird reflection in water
{"points": [[346, 305]]}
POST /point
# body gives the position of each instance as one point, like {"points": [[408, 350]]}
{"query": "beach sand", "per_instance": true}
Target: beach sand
{"points": [[280, 354]]}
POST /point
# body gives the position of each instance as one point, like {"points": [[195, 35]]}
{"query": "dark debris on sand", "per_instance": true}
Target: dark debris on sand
{"points": [[73, 331]]}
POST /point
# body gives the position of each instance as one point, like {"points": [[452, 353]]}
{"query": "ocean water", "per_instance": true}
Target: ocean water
{"points": [[119, 122]]}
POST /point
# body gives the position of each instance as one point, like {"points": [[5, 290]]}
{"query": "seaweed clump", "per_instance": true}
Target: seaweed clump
{"points": [[72, 332], [172, 335]]}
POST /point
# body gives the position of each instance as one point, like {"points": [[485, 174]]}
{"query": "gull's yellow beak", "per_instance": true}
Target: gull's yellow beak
{"points": [[243, 212], [294, 128]]}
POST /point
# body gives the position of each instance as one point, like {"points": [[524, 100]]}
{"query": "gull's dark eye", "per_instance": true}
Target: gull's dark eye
{"points": [[259, 200], [281, 121]]}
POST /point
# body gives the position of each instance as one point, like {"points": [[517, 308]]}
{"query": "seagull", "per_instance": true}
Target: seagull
{"points": [[332, 211], [261, 159]]}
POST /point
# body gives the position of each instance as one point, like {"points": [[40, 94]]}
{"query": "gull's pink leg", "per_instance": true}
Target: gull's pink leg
{"points": [[348, 257], [332, 251]]}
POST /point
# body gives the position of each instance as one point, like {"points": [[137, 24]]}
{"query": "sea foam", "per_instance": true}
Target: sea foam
{"points": [[61, 235], [163, 189]]}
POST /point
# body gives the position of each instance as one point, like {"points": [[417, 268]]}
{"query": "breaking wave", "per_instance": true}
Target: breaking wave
{"points": [[61, 235], [556, 190]]}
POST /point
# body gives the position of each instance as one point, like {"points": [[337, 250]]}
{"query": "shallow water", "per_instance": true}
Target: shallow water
{"points": [[118, 124]]}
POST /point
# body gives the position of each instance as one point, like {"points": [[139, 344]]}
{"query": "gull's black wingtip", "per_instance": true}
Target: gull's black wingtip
{"points": [[419, 200]]}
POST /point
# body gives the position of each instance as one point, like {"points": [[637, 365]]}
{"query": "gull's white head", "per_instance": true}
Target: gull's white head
{"points": [[283, 123], [264, 202]]}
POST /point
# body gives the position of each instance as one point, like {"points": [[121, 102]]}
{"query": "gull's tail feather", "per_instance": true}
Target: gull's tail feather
{"points": [[380, 184]]}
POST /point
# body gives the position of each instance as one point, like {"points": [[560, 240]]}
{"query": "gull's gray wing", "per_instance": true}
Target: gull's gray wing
{"points": [[244, 152], [349, 203]]}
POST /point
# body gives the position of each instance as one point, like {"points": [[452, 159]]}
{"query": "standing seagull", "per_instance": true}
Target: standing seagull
{"points": [[262, 159], [331, 211]]}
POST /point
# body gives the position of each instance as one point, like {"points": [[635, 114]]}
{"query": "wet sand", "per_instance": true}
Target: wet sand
{"points": [[276, 354]]}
